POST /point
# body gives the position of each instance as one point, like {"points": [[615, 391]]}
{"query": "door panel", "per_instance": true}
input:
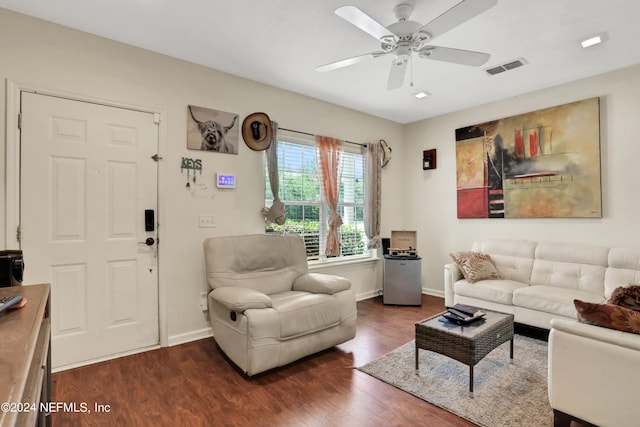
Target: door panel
{"points": [[86, 179], [67, 188], [71, 318]]}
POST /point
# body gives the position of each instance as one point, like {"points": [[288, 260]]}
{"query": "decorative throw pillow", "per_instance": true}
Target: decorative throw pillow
{"points": [[626, 296], [476, 266], [608, 316]]}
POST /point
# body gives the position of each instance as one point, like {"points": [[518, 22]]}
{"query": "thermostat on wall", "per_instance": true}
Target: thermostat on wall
{"points": [[225, 181]]}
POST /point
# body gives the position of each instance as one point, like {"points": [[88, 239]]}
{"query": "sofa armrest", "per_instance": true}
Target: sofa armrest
{"points": [[240, 299], [451, 275], [593, 372], [319, 283], [604, 335]]}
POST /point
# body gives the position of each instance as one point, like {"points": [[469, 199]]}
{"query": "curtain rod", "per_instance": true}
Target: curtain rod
{"points": [[310, 134]]}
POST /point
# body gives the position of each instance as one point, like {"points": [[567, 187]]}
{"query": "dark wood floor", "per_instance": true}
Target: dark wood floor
{"points": [[195, 385]]}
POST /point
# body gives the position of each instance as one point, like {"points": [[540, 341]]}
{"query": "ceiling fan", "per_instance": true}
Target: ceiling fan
{"points": [[404, 37]]}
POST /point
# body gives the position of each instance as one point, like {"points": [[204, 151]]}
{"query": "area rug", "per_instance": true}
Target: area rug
{"points": [[505, 394]]}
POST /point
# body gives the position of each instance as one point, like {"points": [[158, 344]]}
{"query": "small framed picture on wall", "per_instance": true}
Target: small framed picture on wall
{"points": [[212, 130], [429, 159]]}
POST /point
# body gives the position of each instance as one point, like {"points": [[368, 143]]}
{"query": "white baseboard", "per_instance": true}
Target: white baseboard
{"points": [[369, 294], [190, 336], [103, 358], [433, 292], [378, 292]]}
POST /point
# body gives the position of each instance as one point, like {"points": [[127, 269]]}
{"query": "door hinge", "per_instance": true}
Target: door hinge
{"points": [[156, 118], [19, 234], [156, 157], [20, 121]]}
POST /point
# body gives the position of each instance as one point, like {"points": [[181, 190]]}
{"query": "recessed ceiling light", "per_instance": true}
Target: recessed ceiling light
{"points": [[420, 95], [591, 41], [594, 40]]}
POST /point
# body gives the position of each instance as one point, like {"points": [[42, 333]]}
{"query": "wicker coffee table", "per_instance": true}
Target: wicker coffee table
{"points": [[467, 344]]}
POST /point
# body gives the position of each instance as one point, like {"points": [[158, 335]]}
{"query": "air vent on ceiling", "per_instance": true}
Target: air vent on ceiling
{"points": [[506, 66]]}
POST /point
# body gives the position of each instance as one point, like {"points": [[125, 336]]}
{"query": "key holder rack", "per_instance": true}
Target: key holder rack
{"points": [[189, 165]]}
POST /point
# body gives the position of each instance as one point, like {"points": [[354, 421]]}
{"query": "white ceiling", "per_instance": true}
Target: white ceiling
{"points": [[281, 42]]}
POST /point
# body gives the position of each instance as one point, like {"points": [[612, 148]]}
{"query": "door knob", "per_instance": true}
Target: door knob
{"points": [[149, 242]]}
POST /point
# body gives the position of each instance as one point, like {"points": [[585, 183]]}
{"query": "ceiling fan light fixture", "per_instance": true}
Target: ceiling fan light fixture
{"points": [[400, 60], [420, 38]]}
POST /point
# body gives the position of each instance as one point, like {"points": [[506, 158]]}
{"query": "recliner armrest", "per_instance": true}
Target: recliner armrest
{"points": [[320, 283], [240, 299]]}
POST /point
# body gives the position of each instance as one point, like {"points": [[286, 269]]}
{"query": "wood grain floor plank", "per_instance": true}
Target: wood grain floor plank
{"points": [[194, 384]]}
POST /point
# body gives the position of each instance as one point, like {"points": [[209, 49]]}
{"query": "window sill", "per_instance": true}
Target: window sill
{"points": [[318, 265]]}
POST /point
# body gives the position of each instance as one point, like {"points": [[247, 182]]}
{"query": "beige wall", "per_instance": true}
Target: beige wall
{"points": [[49, 56], [430, 204], [45, 55]]}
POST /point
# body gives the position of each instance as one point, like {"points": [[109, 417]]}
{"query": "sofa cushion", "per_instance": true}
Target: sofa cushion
{"points": [[624, 267], [626, 296], [476, 266], [303, 313], [552, 299], [513, 258], [608, 316], [499, 291], [580, 267]]}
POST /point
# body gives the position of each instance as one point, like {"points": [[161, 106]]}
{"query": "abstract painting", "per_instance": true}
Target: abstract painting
{"points": [[543, 164]]}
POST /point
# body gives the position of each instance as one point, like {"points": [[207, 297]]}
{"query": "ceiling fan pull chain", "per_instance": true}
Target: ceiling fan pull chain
{"points": [[411, 60]]}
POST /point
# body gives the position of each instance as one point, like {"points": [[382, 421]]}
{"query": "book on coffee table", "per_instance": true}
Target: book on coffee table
{"points": [[463, 314], [467, 309]]}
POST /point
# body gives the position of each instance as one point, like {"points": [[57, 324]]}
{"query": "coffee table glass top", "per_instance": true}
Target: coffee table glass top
{"points": [[468, 331]]}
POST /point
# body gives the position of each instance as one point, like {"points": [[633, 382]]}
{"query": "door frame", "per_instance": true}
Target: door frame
{"points": [[12, 169]]}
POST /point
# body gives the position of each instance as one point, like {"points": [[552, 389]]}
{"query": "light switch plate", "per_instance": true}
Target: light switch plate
{"points": [[203, 301], [207, 221]]}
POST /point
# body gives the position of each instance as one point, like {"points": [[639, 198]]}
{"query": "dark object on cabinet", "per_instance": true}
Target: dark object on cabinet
{"points": [[11, 268]]}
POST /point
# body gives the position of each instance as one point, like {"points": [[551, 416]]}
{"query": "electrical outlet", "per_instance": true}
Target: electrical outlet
{"points": [[207, 221], [203, 301]]}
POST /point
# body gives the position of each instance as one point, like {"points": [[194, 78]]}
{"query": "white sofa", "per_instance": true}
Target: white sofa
{"points": [[541, 280], [266, 309], [593, 371], [593, 374]]}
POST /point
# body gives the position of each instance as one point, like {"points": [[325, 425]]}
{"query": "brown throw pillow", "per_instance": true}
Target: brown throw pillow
{"points": [[608, 316], [476, 266], [626, 296]]}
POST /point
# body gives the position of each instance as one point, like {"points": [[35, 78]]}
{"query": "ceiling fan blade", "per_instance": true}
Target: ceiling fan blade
{"points": [[396, 75], [455, 16], [457, 56], [349, 61], [363, 21]]}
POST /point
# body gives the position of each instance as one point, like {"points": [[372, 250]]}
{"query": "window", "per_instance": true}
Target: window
{"points": [[306, 211]]}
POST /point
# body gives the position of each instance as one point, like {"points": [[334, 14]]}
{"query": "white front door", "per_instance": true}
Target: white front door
{"points": [[86, 178]]}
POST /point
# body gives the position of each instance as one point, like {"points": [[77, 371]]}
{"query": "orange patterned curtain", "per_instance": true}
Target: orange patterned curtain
{"points": [[330, 163]]}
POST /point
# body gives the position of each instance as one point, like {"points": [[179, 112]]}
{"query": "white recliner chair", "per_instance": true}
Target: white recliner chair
{"points": [[266, 309]]}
